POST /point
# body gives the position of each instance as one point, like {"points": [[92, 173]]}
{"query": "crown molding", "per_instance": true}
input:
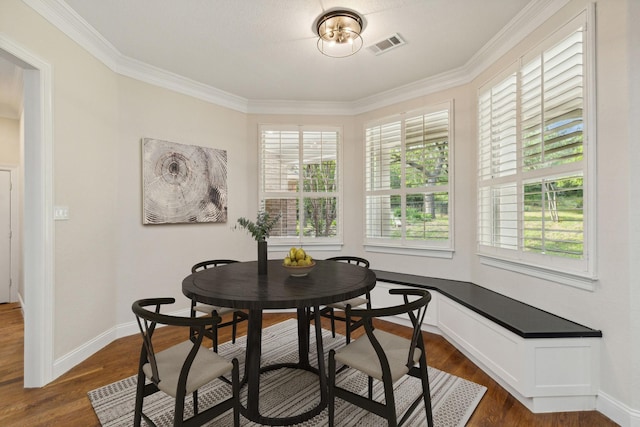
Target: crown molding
{"points": [[524, 23], [66, 20], [75, 27], [158, 77]]}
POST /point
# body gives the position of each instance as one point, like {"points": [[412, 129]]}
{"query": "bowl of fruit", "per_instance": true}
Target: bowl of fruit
{"points": [[298, 263]]}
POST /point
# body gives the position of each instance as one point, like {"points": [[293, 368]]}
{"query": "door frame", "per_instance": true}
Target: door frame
{"points": [[14, 242], [37, 206]]}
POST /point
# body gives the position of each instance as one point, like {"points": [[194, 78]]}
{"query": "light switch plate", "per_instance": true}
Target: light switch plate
{"points": [[60, 213]]}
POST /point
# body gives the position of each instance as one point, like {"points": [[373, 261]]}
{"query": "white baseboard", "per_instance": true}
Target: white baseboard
{"points": [[21, 303], [74, 357], [78, 355], [617, 411]]}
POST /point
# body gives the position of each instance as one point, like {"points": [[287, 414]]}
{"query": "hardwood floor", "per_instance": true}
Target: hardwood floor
{"points": [[64, 402]]}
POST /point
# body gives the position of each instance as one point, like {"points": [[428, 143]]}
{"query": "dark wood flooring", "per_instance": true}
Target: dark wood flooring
{"points": [[64, 402]]}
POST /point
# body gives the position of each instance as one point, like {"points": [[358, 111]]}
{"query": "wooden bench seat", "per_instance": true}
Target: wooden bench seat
{"points": [[520, 318], [547, 362]]}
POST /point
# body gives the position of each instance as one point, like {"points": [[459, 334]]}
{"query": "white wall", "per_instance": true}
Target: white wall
{"points": [[152, 260], [9, 142], [633, 160]]}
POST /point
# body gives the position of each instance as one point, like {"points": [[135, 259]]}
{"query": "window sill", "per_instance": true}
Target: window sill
{"points": [[446, 253], [580, 281], [285, 246]]}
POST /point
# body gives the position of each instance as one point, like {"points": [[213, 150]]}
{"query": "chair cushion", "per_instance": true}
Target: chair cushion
{"points": [[353, 302], [206, 367], [204, 308], [360, 355]]}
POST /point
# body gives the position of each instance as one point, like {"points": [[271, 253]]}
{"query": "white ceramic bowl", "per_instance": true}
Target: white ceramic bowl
{"points": [[299, 270]]}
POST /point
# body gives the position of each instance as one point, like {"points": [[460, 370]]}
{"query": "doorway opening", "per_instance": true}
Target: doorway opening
{"points": [[36, 287]]}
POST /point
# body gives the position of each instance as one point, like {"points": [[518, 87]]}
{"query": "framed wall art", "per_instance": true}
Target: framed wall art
{"points": [[183, 183]]}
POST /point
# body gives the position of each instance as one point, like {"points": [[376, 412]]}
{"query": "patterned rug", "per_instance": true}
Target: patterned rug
{"points": [[287, 392]]}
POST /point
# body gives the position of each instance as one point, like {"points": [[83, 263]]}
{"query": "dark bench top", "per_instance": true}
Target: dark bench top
{"points": [[520, 318]]}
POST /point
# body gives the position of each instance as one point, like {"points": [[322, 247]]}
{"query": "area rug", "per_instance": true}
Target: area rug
{"points": [[286, 392]]}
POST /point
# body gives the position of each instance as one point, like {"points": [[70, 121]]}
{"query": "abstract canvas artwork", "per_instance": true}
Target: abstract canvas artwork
{"points": [[183, 183]]}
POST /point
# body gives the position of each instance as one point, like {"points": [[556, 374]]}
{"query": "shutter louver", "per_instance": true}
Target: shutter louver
{"points": [[552, 104], [497, 125], [383, 145], [427, 150], [280, 157]]}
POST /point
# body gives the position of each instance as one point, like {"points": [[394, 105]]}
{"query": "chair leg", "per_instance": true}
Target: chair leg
{"points": [[426, 390], [333, 323], [347, 322], [390, 404], [137, 417], [178, 413], [214, 332], [332, 382], [235, 387], [195, 402], [234, 327]]}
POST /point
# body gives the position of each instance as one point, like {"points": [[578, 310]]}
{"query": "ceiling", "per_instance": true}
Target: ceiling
{"points": [[265, 50]]}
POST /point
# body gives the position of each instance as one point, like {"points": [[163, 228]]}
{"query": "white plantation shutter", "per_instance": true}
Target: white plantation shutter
{"points": [[532, 157], [552, 106], [427, 150], [497, 164], [383, 151], [407, 163], [299, 179], [280, 156], [497, 129]]}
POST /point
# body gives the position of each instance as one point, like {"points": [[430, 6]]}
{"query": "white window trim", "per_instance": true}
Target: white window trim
{"points": [[433, 249], [582, 278]]}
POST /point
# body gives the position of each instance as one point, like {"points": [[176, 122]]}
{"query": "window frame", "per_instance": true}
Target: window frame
{"points": [[318, 243], [404, 246], [577, 273]]}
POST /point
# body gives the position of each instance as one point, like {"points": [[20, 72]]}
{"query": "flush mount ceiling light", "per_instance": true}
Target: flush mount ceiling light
{"points": [[339, 33]]}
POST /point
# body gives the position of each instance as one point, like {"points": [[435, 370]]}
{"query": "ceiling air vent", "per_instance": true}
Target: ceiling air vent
{"points": [[387, 44]]}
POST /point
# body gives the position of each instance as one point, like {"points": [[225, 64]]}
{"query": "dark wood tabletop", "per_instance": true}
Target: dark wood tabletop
{"points": [[239, 285]]}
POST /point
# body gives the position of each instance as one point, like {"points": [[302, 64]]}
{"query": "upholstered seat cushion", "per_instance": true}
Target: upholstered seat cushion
{"points": [[353, 302], [204, 308], [207, 366], [360, 354]]}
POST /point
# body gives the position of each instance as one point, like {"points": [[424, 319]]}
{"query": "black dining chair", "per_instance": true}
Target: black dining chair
{"points": [[237, 317], [329, 311], [181, 369], [385, 357]]}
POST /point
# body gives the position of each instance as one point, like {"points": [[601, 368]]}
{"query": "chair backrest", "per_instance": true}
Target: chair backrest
{"points": [[147, 321], [211, 263], [351, 260], [415, 309]]}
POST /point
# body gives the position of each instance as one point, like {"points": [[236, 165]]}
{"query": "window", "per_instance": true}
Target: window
{"points": [[408, 190], [299, 179], [533, 204]]}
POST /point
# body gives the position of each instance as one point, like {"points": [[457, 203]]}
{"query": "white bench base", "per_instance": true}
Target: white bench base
{"points": [[544, 374]]}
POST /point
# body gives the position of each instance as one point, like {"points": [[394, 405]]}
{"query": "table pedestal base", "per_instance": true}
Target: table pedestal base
{"points": [[253, 368]]}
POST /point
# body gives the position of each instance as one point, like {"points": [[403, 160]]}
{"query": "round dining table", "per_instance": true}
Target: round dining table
{"points": [[239, 285]]}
